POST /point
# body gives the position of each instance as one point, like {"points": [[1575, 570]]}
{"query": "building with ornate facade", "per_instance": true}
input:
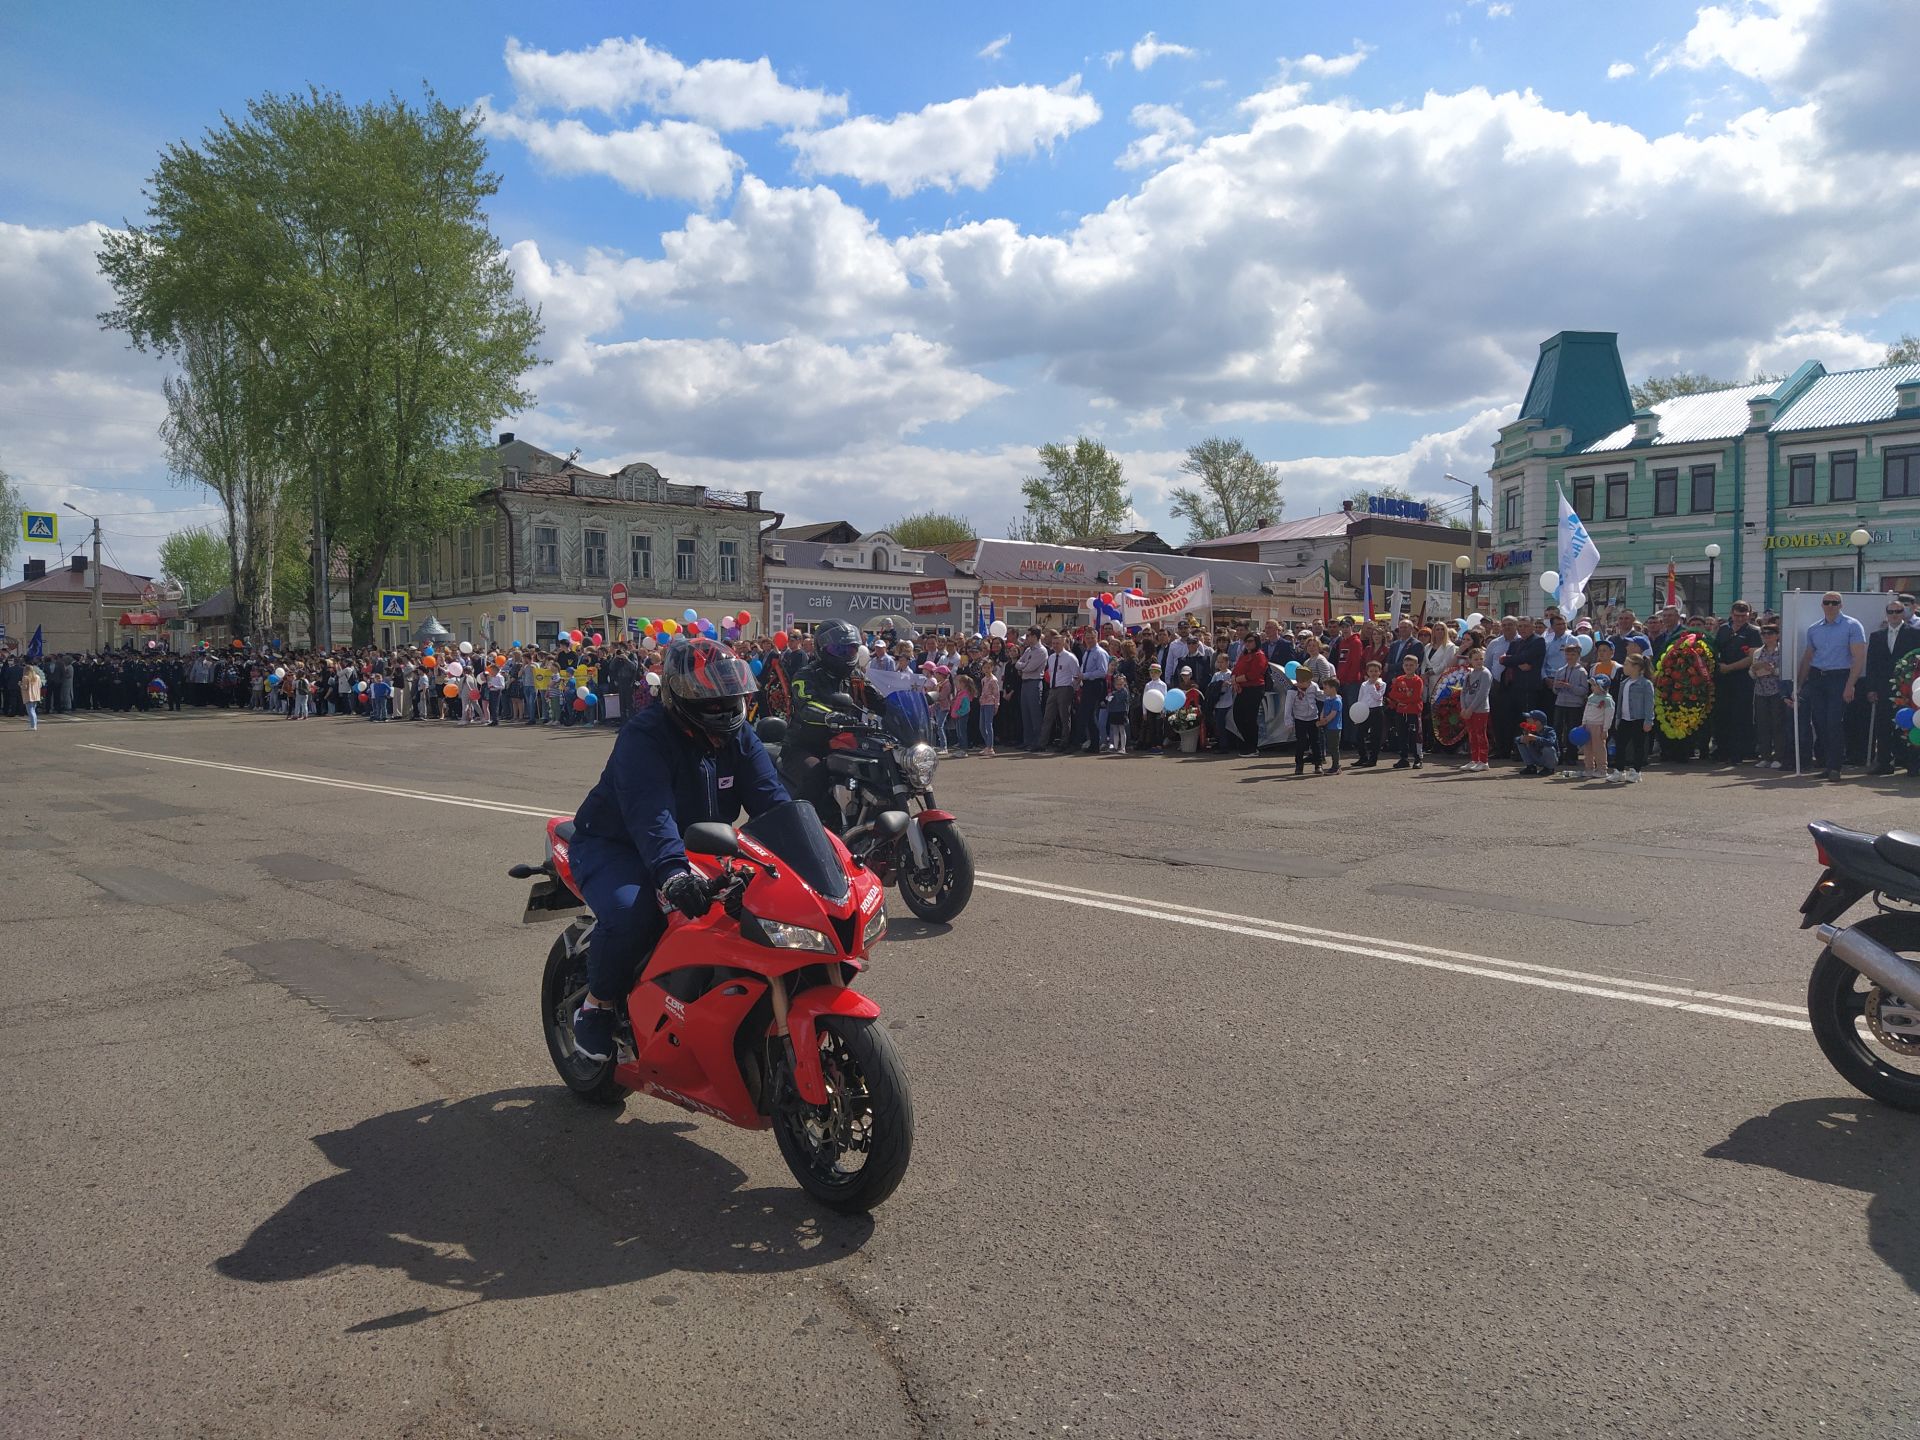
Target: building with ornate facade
{"points": [[862, 578]]}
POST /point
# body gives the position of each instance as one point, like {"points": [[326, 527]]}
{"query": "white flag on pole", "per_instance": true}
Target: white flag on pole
{"points": [[1579, 557]]}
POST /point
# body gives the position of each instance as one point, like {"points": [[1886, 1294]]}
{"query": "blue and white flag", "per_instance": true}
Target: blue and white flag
{"points": [[37, 645], [1579, 557]]}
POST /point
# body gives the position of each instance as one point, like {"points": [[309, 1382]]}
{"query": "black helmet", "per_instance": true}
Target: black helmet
{"points": [[836, 645], [704, 686]]}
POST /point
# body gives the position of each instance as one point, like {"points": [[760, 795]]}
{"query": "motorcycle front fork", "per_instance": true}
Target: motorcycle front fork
{"points": [[777, 992]]}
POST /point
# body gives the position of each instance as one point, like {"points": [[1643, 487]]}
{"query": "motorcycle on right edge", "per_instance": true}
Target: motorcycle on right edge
{"points": [[1864, 995]]}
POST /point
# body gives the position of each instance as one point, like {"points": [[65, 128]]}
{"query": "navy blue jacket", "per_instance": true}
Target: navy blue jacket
{"points": [[659, 780]]}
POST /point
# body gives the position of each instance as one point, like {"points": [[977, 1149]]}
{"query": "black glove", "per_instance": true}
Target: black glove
{"points": [[687, 893]]}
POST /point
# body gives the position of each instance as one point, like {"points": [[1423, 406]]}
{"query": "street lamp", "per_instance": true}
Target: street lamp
{"points": [[1462, 564], [1860, 539], [1713, 558]]}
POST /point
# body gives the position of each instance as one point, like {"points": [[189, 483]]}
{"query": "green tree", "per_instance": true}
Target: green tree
{"points": [[1655, 388], [9, 519], [1905, 352], [930, 528], [1083, 493], [198, 559], [345, 253], [1235, 492]]}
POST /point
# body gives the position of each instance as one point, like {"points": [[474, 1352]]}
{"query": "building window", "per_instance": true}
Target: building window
{"points": [[1694, 599], [640, 557], [1616, 497], [546, 634], [466, 552], [1666, 492], [1800, 480], [1843, 475], [1510, 510], [1583, 497], [594, 544], [1140, 581], [1701, 499], [686, 561], [486, 550], [1836, 578], [880, 560], [729, 562], [1398, 574], [1439, 576], [1903, 472], [546, 550], [1898, 584]]}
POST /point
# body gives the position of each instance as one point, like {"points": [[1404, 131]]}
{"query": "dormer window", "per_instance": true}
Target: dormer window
{"points": [[880, 559], [1646, 425], [1908, 393]]}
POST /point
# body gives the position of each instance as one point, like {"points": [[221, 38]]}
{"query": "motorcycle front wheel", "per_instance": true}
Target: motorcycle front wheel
{"points": [[1843, 1005], [940, 892], [561, 989], [851, 1153]]}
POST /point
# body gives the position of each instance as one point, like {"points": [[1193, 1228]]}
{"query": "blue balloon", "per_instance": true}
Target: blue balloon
{"points": [[1903, 718], [591, 698], [757, 665], [690, 616], [427, 651], [1578, 735], [1176, 697], [1292, 667], [516, 644]]}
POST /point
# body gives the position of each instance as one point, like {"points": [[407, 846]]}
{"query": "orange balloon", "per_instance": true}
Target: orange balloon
{"points": [[449, 691], [429, 661]]}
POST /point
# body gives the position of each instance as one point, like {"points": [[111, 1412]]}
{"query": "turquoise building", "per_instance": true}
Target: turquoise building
{"points": [[1776, 480]]}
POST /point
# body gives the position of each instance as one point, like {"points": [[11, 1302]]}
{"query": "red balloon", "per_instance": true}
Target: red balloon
{"points": [[579, 704], [575, 636], [779, 639], [1106, 597], [598, 638], [743, 619]]}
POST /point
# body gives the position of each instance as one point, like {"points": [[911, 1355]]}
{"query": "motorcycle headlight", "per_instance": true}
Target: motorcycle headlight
{"points": [[876, 929], [794, 937], [920, 763]]}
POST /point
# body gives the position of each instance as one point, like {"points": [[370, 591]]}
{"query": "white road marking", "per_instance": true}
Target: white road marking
{"points": [[1288, 929], [1639, 992]]}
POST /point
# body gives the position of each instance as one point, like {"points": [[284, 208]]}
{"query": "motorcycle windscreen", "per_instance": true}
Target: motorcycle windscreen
{"points": [[797, 839], [908, 716]]}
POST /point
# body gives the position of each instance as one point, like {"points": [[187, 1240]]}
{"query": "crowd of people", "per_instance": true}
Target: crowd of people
{"points": [[1591, 697]]}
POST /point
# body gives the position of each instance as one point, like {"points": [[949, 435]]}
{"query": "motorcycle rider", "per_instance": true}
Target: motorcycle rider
{"points": [[821, 699], [691, 758]]}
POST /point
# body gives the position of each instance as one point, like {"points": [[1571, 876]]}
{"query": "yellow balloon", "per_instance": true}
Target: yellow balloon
{"points": [[671, 626]]}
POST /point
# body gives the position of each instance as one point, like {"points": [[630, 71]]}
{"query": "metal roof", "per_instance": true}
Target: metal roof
{"points": [[1686, 419], [1848, 397], [1313, 527]]}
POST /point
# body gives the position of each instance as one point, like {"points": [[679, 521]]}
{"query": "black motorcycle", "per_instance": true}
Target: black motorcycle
{"points": [[1864, 995], [879, 764]]}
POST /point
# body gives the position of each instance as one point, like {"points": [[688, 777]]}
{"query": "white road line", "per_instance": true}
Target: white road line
{"points": [[1639, 992], [1288, 929]]}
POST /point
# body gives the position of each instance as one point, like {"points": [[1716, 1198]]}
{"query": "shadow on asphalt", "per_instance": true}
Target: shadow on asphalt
{"points": [[916, 929], [530, 1192], [1857, 1144]]}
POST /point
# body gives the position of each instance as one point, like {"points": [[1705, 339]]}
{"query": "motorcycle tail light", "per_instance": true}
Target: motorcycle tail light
{"points": [[1820, 852]]}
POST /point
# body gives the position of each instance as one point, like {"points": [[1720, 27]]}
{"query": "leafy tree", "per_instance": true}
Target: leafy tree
{"points": [[1655, 388], [198, 559], [1082, 493], [930, 528], [1235, 491], [342, 256], [1906, 352], [9, 519], [1385, 492]]}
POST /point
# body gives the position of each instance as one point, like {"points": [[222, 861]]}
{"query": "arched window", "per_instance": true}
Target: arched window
{"points": [[880, 561]]}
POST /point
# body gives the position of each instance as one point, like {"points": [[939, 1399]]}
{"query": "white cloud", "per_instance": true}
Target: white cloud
{"points": [[1328, 67], [1315, 485], [1150, 48], [950, 144], [669, 158], [617, 74], [1620, 69], [1167, 137], [993, 49], [1498, 10], [1761, 39]]}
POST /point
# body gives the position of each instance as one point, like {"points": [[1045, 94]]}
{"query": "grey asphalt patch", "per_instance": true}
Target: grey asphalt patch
{"points": [[1507, 904], [29, 840], [139, 886], [348, 984], [297, 869], [1725, 853], [1259, 862], [70, 805], [138, 807]]}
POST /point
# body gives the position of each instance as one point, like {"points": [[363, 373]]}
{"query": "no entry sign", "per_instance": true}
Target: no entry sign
{"points": [[619, 596]]}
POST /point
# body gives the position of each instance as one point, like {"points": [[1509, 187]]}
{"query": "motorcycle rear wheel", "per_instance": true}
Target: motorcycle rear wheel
{"points": [[561, 987], [940, 892], [1837, 997], [851, 1153]]}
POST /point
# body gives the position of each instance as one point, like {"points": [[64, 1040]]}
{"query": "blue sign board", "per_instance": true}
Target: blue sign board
{"points": [[1400, 509], [393, 605]]}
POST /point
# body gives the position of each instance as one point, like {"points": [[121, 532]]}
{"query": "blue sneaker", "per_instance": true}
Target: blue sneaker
{"points": [[593, 1032]]}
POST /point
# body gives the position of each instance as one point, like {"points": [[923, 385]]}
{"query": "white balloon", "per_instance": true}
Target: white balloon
{"points": [[1577, 600], [454, 668], [1476, 620], [653, 679], [581, 691], [1154, 686], [1154, 701], [1361, 710], [648, 642], [1550, 581], [861, 657], [466, 647], [280, 674], [998, 630]]}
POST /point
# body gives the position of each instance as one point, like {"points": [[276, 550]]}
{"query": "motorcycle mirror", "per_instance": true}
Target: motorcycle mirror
{"points": [[840, 700], [710, 837]]}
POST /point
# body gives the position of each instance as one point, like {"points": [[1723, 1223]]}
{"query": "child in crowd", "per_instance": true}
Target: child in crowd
{"points": [[1604, 663], [1119, 703], [1569, 699], [989, 707], [1537, 744], [1406, 698], [1476, 707], [1324, 673], [1633, 724], [960, 709], [1220, 699], [940, 702], [1303, 708], [1333, 719], [1768, 727], [1367, 732], [1597, 717]]}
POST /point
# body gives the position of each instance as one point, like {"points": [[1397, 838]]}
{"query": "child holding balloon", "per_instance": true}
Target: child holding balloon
{"points": [[1303, 708], [1369, 716]]}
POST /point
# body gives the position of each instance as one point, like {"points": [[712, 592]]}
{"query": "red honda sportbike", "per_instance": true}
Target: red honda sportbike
{"points": [[746, 1014]]}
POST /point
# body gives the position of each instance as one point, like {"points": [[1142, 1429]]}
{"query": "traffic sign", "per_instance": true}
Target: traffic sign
{"points": [[40, 525], [1473, 589], [619, 595], [393, 605]]}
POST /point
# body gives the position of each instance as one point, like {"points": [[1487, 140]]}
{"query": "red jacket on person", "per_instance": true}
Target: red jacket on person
{"points": [[1349, 660], [1405, 694], [1250, 670]]}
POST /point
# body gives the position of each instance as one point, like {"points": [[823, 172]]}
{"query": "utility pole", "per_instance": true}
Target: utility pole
{"points": [[96, 569], [1473, 535]]}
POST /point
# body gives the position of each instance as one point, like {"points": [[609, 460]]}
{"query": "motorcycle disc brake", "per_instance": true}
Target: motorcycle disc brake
{"points": [[1894, 1023]]}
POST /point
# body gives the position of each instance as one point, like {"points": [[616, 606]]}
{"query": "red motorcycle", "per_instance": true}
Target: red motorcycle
{"points": [[746, 1014]]}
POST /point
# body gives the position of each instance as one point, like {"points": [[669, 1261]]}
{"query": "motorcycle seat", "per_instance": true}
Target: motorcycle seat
{"points": [[564, 831], [1901, 848]]}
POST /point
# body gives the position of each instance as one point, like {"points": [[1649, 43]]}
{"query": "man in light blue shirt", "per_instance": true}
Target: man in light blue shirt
{"points": [[1557, 633], [1094, 665], [1830, 665]]}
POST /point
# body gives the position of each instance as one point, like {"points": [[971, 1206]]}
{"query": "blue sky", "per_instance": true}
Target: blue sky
{"points": [[876, 271]]}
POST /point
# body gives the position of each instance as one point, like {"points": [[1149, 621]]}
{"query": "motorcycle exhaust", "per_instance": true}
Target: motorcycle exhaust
{"points": [[1886, 968]]}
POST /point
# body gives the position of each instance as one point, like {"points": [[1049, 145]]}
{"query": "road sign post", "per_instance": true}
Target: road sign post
{"points": [[393, 605], [40, 526]]}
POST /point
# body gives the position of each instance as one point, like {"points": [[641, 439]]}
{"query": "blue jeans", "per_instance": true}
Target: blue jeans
{"points": [[987, 712], [1823, 718], [628, 921]]}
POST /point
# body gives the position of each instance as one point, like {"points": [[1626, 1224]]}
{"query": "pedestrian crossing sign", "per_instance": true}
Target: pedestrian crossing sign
{"points": [[393, 604], [40, 525]]}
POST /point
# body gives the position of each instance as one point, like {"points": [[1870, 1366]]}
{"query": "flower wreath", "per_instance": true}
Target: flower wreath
{"points": [[1905, 672], [1683, 686], [1449, 724]]}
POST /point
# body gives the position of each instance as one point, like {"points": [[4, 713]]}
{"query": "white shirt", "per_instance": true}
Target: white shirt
{"points": [[1063, 669], [1497, 653]]}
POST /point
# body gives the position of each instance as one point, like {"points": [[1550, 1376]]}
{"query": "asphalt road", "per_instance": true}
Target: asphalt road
{"points": [[1206, 1147]]}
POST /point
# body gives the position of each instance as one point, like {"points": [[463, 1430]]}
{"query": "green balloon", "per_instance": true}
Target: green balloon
{"points": [[1913, 735]]}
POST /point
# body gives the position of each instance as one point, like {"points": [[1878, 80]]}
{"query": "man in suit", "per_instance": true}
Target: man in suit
{"points": [[1885, 648]]}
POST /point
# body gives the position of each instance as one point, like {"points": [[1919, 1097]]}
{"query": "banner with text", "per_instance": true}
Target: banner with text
{"points": [[1195, 594]]}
